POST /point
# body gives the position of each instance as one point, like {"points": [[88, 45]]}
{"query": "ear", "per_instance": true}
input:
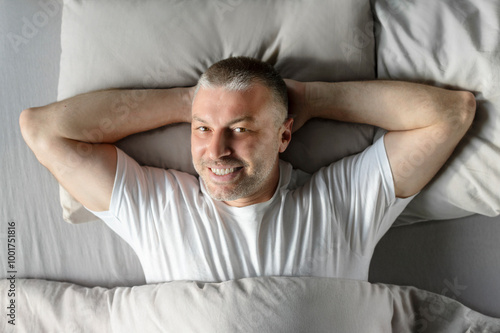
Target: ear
{"points": [[286, 134]]}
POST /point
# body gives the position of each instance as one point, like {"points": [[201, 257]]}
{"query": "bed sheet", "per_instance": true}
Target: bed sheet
{"points": [[262, 304], [427, 255], [46, 246]]}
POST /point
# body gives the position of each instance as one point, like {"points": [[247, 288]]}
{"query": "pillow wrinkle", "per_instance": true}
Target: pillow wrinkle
{"points": [[450, 44]]}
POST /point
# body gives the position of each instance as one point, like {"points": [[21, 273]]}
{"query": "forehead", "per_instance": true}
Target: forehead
{"points": [[219, 105]]}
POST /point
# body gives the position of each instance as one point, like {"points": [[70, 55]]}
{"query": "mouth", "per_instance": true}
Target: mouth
{"points": [[224, 175], [224, 171]]}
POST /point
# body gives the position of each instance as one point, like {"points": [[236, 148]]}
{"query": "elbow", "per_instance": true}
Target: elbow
{"points": [[26, 125], [33, 130], [468, 101], [461, 112]]}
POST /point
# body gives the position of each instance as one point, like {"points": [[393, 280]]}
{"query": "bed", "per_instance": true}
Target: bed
{"points": [[442, 257]]}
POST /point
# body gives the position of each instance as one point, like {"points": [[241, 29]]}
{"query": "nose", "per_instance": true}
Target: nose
{"points": [[219, 145]]}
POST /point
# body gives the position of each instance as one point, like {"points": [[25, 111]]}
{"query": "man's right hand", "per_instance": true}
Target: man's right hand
{"points": [[73, 138]]}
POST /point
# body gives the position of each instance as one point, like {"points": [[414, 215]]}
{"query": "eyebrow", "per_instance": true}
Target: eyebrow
{"points": [[234, 121]]}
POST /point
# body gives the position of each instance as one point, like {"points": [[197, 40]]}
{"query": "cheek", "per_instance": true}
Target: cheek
{"points": [[263, 149], [270, 144], [197, 147], [247, 149]]}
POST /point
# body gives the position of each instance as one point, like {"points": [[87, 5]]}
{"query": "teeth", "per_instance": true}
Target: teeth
{"points": [[222, 172]]}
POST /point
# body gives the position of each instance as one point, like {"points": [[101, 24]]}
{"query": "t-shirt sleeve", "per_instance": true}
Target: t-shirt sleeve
{"points": [[362, 196], [139, 194]]}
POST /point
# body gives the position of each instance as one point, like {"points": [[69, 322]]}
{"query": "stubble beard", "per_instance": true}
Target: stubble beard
{"points": [[245, 187]]}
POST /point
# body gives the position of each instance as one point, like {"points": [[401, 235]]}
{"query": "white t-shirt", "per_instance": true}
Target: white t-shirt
{"points": [[324, 225]]}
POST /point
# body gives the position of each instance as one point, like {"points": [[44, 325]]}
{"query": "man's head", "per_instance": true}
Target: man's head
{"points": [[240, 74], [239, 126]]}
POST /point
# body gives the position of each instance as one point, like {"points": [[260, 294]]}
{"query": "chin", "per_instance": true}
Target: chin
{"points": [[223, 196]]}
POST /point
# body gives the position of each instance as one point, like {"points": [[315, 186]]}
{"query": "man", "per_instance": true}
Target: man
{"points": [[249, 214]]}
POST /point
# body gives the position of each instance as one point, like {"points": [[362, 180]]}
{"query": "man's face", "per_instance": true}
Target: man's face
{"points": [[235, 144]]}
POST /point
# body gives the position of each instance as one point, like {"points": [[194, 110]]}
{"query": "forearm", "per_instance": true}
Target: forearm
{"points": [[110, 115], [392, 105], [425, 123]]}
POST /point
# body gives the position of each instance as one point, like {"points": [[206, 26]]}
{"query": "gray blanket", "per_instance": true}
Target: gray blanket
{"points": [[264, 304]]}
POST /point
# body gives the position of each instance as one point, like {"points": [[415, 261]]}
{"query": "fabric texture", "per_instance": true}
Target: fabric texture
{"points": [[264, 304], [161, 44], [327, 224], [453, 44]]}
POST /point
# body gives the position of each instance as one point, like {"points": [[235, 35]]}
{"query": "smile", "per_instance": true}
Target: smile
{"points": [[223, 172]]}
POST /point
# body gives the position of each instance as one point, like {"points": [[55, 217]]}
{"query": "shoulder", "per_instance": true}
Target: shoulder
{"points": [[130, 171], [291, 178], [372, 159]]}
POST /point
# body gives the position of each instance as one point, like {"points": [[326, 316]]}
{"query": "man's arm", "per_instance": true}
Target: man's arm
{"points": [[73, 138], [425, 123]]}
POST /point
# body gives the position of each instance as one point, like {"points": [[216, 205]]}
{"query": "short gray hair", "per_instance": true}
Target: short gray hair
{"points": [[241, 73]]}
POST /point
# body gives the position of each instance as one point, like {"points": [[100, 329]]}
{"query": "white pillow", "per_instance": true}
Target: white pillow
{"points": [[160, 44], [453, 44]]}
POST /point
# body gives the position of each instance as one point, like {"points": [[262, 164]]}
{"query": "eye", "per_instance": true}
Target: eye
{"points": [[240, 130], [203, 129]]}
